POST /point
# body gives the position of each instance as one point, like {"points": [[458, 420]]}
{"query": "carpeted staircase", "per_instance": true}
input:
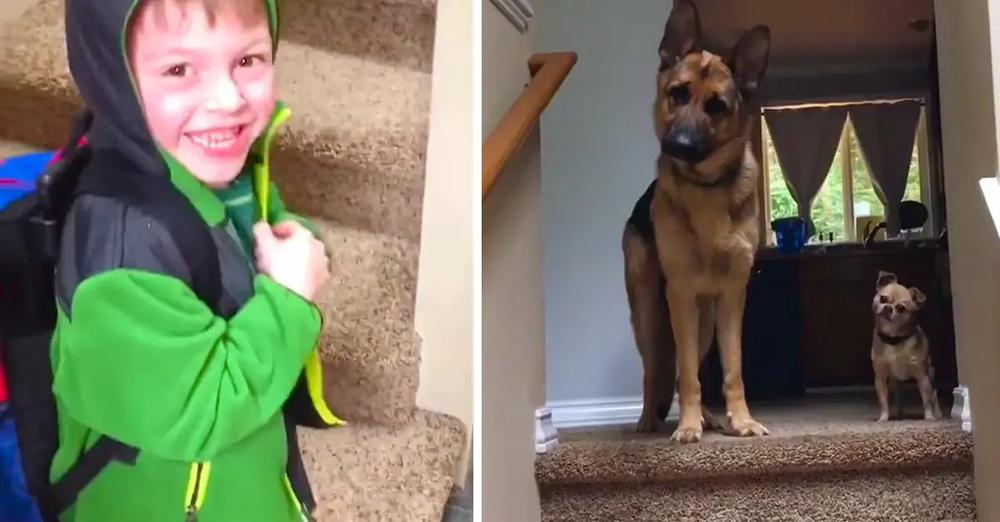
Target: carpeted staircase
{"points": [[357, 76], [824, 461]]}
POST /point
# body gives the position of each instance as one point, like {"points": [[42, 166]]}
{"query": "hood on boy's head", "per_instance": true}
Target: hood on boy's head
{"points": [[98, 61]]}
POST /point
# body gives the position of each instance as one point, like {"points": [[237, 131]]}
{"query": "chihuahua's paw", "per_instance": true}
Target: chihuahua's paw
{"points": [[687, 434], [931, 416], [747, 427], [650, 424], [882, 418]]}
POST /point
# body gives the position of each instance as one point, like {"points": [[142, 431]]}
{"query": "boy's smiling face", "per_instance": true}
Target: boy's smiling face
{"points": [[206, 83]]}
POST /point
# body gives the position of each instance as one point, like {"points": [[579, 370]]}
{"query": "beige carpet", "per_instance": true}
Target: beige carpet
{"points": [[11, 148], [382, 473], [825, 460], [912, 496], [356, 74]]}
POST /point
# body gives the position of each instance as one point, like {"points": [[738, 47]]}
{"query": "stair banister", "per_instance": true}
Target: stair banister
{"points": [[548, 70]]}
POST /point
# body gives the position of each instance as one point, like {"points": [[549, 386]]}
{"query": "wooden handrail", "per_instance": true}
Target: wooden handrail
{"points": [[548, 70]]}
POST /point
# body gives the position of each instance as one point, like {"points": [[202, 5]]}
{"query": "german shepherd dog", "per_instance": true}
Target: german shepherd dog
{"points": [[689, 244]]}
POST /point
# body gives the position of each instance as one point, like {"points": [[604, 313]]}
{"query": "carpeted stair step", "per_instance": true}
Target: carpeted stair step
{"points": [[371, 354], [849, 447], [393, 32], [810, 469], [354, 149], [366, 472], [917, 496], [37, 98], [12, 148]]}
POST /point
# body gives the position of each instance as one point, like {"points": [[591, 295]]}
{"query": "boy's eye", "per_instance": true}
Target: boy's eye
{"points": [[177, 71], [248, 61]]}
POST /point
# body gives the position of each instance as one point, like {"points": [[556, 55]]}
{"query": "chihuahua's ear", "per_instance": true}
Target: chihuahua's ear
{"points": [[918, 297], [749, 59], [884, 278], [682, 34]]}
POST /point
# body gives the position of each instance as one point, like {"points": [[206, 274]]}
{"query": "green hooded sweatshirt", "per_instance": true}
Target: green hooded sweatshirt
{"points": [[207, 395]]}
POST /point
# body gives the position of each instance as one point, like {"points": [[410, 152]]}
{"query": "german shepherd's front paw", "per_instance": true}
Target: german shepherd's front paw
{"points": [[687, 434], [651, 424], [747, 427]]}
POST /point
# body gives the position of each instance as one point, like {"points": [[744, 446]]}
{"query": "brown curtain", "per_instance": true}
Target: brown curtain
{"points": [[886, 132], [805, 141]]}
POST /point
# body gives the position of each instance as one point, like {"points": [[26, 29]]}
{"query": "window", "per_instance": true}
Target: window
{"points": [[781, 203], [847, 193]]}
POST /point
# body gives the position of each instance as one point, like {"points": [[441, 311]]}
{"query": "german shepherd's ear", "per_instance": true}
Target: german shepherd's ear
{"points": [[749, 59], [682, 34]]}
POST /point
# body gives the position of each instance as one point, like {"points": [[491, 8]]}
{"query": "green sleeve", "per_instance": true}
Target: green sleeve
{"points": [[147, 363], [278, 212]]}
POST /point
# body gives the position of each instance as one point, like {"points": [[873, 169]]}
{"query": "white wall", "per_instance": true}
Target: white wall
{"points": [[598, 155], [967, 76], [444, 284], [513, 360]]}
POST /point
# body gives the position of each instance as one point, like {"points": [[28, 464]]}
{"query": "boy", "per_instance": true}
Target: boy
{"points": [[170, 406]]}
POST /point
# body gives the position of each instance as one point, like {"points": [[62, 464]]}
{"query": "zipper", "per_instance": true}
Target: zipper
{"points": [[197, 484]]}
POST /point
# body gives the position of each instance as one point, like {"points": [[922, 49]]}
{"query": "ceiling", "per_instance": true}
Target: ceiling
{"points": [[861, 34]]}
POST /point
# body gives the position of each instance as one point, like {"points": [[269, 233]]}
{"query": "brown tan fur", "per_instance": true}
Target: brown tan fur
{"points": [[901, 352], [686, 275]]}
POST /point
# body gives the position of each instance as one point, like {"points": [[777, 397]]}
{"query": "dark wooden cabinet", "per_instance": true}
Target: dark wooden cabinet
{"points": [[772, 329], [808, 320]]}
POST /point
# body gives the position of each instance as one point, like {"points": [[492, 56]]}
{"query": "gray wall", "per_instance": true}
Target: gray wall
{"points": [[598, 155]]}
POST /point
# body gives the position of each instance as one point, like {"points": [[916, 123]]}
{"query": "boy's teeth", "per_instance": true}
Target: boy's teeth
{"points": [[215, 139]]}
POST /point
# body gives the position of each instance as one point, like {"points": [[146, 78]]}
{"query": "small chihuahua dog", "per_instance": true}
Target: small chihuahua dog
{"points": [[899, 347]]}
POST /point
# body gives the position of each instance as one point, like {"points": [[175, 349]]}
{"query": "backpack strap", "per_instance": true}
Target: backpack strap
{"points": [[295, 469], [109, 174], [64, 493]]}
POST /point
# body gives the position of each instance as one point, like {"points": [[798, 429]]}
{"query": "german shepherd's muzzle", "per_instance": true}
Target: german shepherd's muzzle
{"points": [[690, 241]]}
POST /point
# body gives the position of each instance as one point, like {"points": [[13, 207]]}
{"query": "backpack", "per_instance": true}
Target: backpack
{"points": [[33, 207], [16, 503]]}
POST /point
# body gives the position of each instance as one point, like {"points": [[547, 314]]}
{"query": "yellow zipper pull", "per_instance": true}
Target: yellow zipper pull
{"points": [[197, 484]]}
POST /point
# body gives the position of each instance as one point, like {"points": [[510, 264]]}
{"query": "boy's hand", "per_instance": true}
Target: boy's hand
{"points": [[292, 256]]}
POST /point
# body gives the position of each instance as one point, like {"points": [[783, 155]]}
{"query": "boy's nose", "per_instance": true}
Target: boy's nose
{"points": [[225, 96]]}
